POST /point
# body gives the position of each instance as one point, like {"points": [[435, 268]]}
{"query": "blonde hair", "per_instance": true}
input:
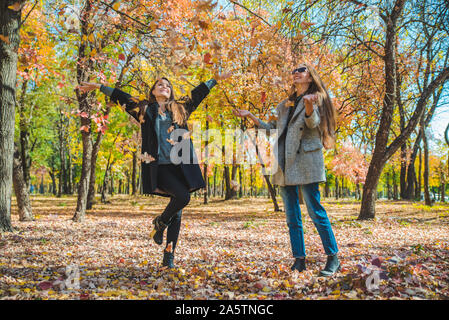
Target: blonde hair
{"points": [[326, 108]]}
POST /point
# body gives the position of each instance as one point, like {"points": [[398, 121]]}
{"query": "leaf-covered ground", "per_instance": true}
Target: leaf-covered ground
{"points": [[228, 250]]}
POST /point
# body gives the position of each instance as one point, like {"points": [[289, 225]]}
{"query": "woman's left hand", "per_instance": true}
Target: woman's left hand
{"points": [[310, 98], [308, 102]]}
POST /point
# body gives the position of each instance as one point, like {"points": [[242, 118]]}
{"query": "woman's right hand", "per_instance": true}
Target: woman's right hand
{"points": [[241, 113], [88, 86]]}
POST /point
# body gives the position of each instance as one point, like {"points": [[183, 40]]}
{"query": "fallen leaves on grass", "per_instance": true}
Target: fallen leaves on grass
{"points": [[110, 255]]}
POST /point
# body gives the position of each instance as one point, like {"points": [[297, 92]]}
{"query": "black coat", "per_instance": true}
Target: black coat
{"points": [[192, 171]]}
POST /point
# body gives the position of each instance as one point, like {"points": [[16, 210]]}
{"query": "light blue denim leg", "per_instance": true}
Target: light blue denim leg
{"points": [[311, 194], [290, 198]]}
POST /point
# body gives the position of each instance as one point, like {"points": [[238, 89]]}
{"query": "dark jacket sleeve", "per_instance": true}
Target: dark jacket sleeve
{"points": [[198, 95], [126, 100]]}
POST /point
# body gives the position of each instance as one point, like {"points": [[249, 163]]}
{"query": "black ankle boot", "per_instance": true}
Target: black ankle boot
{"points": [[168, 260], [158, 232], [332, 266], [299, 264]]}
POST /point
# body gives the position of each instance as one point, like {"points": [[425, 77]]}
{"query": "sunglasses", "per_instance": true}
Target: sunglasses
{"points": [[300, 70]]}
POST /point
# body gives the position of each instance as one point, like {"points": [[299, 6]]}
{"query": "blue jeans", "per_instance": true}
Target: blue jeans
{"points": [[317, 213]]}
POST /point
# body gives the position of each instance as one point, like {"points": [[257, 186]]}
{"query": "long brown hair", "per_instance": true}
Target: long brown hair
{"points": [[175, 106], [326, 108]]}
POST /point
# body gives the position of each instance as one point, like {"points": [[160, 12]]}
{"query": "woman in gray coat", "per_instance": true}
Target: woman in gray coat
{"points": [[305, 123]]}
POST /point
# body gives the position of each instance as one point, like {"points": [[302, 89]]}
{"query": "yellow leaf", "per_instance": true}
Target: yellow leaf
{"points": [[91, 37], [16, 6], [116, 6], [93, 52]]}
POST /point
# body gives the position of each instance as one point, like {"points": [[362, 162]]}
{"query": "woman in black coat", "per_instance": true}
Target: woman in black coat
{"points": [[165, 170]]}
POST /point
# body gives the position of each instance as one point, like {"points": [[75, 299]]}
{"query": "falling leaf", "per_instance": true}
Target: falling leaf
{"points": [[170, 129], [147, 158], [4, 38], [116, 5], [171, 142], [205, 5], [169, 247], [135, 50], [203, 24], [207, 58], [16, 6], [263, 97], [186, 135], [45, 285], [153, 25]]}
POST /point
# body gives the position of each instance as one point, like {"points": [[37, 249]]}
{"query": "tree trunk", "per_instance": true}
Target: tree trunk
{"points": [[53, 181], [395, 186], [70, 173], [337, 191], [427, 200], [93, 172], [21, 190], [418, 185], [84, 106], [367, 210], [24, 136], [388, 185], [134, 174], [9, 28], [369, 195], [403, 173]]}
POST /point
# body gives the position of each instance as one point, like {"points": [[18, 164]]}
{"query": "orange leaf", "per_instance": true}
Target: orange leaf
{"points": [[207, 58], [4, 38], [203, 24], [135, 50], [169, 247], [263, 98]]}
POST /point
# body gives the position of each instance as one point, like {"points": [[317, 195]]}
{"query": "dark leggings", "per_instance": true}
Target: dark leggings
{"points": [[171, 180]]}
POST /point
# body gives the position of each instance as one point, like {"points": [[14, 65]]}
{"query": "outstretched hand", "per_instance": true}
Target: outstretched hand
{"points": [[88, 86], [241, 113], [310, 98]]}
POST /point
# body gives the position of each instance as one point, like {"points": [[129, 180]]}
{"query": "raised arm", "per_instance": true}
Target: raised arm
{"points": [[259, 123], [117, 96], [124, 99], [200, 92]]}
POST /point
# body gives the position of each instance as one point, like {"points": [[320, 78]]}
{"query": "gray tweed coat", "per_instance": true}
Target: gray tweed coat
{"points": [[304, 161]]}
